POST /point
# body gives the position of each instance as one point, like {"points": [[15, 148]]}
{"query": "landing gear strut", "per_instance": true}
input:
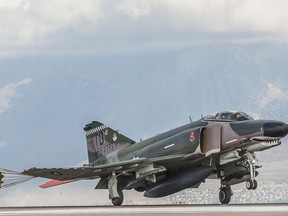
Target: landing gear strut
{"points": [[252, 183], [225, 194], [115, 194]]}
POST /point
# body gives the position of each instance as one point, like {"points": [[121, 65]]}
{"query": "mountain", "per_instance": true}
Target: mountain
{"points": [[141, 94]]}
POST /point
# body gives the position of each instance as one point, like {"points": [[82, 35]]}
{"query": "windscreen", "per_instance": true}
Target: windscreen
{"points": [[229, 116]]}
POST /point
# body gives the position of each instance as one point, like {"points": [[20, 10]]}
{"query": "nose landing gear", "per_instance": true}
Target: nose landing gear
{"points": [[250, 161], [251, 184]]}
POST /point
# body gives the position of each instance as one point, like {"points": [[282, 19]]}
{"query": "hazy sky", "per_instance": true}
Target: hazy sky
{"points": [[33, 102]]}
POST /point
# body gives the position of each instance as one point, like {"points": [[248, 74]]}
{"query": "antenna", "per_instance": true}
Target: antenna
{"points": [[190, 119]]}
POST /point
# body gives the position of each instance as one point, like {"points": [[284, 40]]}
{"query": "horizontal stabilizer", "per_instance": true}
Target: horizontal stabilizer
{"points": [[10, 178]]}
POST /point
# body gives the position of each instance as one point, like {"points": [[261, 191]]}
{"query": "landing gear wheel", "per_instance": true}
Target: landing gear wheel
{"points": [[251, 184], [255, 185], [118, 200], [225, 194]]}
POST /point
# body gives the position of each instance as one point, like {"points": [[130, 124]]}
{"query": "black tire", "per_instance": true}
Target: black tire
{"points": [[118, 200], [250, 184], [255, 184], [225, 195]]}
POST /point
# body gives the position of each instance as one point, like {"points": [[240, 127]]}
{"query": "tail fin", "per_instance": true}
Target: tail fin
{"points": [[102, 140]]}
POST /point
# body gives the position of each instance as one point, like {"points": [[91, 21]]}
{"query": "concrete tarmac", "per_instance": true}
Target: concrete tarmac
{"points": [[203, 210]]}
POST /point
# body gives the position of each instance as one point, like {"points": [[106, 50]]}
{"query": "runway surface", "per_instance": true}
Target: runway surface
{"points": [[203, 210]]}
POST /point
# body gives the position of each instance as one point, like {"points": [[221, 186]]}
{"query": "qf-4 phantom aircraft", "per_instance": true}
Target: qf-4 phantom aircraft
{"points": [[221, 145]]}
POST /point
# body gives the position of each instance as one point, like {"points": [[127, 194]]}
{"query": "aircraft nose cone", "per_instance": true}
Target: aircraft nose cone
{"points": [[275, 129]]}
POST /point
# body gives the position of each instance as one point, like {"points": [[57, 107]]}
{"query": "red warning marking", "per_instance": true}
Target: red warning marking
{"points": [[192, 137]]}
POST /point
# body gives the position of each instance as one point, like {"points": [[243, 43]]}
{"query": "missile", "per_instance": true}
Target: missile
{"points": [[183, 179]]}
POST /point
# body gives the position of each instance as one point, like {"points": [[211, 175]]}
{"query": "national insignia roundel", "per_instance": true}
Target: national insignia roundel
{"points": [[192, 137]]}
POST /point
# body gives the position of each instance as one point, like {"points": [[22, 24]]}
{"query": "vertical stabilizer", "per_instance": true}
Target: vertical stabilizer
{"points": [[102, 140]]}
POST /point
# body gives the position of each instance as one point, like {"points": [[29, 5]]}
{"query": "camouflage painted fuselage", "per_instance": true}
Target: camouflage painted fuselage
{"points": [[203, 137], [219, 142]]}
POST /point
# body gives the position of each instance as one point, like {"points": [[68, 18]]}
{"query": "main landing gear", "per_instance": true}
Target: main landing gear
{"points": [[117, 201], [225, 194], [115, 194]]}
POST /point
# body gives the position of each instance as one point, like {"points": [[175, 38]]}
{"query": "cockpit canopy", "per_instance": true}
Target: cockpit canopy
{"points": [[229, 116]]}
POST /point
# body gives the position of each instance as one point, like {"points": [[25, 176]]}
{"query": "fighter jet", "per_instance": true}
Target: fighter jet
{"points": [[221, 146]]}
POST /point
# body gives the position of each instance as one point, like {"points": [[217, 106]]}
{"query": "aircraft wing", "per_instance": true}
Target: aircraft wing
{"points": [[93, 172], [86, 172]]}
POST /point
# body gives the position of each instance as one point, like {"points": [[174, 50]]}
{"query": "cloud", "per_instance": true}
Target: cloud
{"points": [[273, 94], [222, 15], [137, 9], [31, 22], [9, 91], [66, 25]]}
